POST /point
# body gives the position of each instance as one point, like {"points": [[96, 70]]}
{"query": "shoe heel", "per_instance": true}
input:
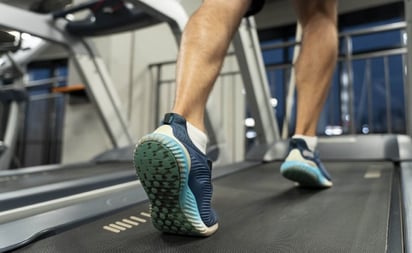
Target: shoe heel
{"points": [[163, 170], [303, 174]]}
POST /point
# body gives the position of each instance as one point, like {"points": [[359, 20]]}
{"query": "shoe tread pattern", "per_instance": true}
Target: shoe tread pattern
{"points": [[303, 174], [163, 172]]}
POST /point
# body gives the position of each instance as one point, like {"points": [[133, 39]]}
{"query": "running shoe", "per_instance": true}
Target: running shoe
{"points": [[176, 176], [304, 166]]}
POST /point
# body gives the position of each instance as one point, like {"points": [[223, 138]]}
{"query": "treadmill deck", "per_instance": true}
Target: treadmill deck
{"points": [[259, 211]]}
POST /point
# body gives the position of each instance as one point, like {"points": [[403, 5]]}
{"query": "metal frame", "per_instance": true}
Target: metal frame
{"points": [[406, 168], [40, 218], [408, 20], [45, 27], [170, 11], [292, 84], [32, 48], [37, 194], [251, 66], [406, 189], [89, 65], [11, 133]]}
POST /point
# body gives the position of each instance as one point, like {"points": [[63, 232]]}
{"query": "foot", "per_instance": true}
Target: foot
{"points": [[304, 166], [176, 176]]}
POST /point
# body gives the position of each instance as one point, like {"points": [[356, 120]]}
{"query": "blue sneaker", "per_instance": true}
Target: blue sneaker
{"points": [[176, 176], [304, 166]]}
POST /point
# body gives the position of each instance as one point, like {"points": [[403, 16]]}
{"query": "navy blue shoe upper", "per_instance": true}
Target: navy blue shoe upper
{"points": [[296, 143], [200, 181]]}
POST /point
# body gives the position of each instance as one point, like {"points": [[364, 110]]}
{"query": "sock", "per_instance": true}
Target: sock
{"points": [[198, 137], [311, 141]]}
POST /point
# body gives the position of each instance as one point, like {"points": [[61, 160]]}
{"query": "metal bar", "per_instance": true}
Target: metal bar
{"points": [[173, 62], [369, 90], [290, 94], [157, 94], [222, 74], [42, 26], [387, 95], [131, 75], [278, 66], [37, 169], [280, 45], [377, 29], [408, 86], [405, 88], [44, 96], [48, 127], [382, 53], [387, 52], [167, 81], [47, 81], [169, 11], [163, 63], [10, 135], [363, 97], [251, 65], [100, 89], [349, 88], [406, 189]]}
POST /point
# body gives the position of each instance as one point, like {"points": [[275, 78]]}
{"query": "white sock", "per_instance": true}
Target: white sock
{"points": [[311, 141], [198, 137]]}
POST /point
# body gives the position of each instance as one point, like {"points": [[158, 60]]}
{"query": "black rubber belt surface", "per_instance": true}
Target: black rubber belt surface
{"points": [[260, 212]]}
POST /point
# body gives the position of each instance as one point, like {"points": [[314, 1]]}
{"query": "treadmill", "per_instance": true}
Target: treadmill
{"points": [[38, 184], [44, 183], [32, 185], [367, 210]]}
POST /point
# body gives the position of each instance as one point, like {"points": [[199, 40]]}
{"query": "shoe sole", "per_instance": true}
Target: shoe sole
{"points": [[163, 164], [305, 175]]}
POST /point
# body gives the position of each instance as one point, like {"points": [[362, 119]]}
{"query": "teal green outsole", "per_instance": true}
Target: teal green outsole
{"points": [[163, 171], [305, 175]]}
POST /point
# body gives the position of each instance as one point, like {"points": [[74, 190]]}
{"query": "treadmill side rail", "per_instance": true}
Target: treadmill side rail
{"points": [[406, 186], [75, 209]]}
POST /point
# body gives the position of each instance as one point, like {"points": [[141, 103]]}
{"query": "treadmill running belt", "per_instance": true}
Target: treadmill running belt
{"points": [[259, 212]]}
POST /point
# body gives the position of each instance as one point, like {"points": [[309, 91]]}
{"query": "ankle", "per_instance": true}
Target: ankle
{"points": [[198, 137], [311, 141], [194, 116]]}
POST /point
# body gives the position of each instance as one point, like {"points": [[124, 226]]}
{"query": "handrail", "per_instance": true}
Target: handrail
{"points": [[358, 56], [375, 29], [353, 33], [346, 58], [357, 32]]}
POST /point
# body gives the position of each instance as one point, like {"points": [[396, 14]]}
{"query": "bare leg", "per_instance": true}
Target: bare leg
{"points": [[203, 48], [316, 62]]}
